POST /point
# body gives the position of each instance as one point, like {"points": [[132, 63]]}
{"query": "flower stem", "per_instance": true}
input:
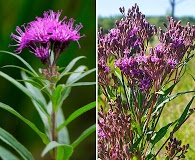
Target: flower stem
{"points": [[53, 132]]}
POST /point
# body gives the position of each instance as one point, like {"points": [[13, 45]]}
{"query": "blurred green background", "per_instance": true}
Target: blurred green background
{"points": [[15, 13]]}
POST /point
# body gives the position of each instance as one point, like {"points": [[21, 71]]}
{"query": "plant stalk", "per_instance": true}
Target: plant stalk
{"points": [[53, 131]]}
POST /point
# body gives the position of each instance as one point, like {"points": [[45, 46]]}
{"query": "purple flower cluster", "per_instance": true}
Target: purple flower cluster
{"points": [[47, 33], [116, 137], [136, 74], [142, 65]]}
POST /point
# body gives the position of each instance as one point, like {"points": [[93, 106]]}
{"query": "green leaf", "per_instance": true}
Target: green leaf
{"points": [[163, 100], [160, 134], [56, 96], [29, 123], [77, 76], [67, 148], [65, 93], [81, 84], [22, 69], [7, 155], [136, 143], [26, 91], [11, 141], [77, 72], [184, 114], [70, 65], [60, 153], [35, 85], [38, 93], [22, 60], [63, 136], [77, 113], [86, 133]]}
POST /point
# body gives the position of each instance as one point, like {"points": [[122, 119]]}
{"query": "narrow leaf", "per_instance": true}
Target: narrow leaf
{"points": [[136, 143], [77, 76], [70, 65], [86, 133], [63, 136], [80, 84], [26, 91], [68, 149], [77, 113], [7, 155], [160, 134], [22, 60], [38, 93], [56, 96], [12, 142], [21, 68], [184, 114], [60, 153], [29, 123], [77, 72], [33, 85], [163, 100], [65, 93]]}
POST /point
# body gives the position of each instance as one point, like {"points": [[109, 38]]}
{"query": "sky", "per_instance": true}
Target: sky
{"points": [[107, 8]]}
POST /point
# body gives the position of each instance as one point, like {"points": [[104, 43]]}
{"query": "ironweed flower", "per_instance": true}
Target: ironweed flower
{"points": [[128, 44], [113, 141], [175, 150], [128, 68], [45, 34]]}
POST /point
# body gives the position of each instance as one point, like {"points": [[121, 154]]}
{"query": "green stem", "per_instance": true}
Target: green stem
{"points": [[53, 130]]}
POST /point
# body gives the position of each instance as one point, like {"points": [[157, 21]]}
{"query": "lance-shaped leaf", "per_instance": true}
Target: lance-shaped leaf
{"points": [[26, 91], [65, 151], [77, 113], [22, 60], [18, 147], [6, 154], [70, 65], [86, 133], [29, 123]]}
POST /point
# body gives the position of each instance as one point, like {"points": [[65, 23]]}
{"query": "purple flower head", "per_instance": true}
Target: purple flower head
{"points": [[49, 30], [100, 131], [132, 32], [126, 51], [125, 64], [141, 59], [155, 59], [133, 39], [145, 84], [41, 52], [177, 42], [158, 50], [172, 63], [112, 35]]}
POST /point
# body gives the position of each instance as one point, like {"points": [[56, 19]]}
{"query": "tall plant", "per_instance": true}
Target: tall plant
{"points": [[136, 80], [47, 38]]}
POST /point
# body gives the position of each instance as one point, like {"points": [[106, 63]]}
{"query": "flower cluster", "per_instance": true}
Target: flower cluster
{"points": [[174, 149], [47, 33], [128, 67], [143, 65], [113, 141]]}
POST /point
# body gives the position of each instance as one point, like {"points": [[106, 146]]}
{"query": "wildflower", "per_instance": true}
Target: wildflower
{"points": [[47, 33], [139, 73]]}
